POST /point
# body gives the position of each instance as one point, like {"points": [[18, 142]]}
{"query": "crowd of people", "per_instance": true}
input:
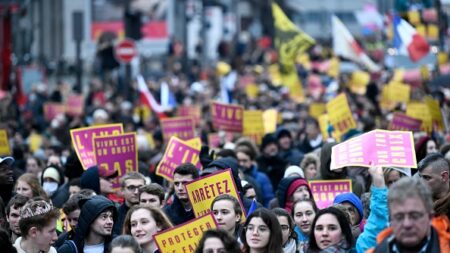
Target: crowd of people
{"points": [[49, 203]]}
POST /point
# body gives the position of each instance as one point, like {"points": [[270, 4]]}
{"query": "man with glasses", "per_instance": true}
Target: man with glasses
{"points": [[411, 212], [93, 233], [130, 184]]}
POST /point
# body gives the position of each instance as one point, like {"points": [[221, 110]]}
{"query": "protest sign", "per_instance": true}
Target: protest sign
{"points": [[324, 191], [317, 109], [4, 143], [419, 110], [253, 125], [340, 115], [181, 127], [75, 105], [435, 112], [193, 111], [402, 122], [227, 117], [359, 81], [195, 143], [270, 119], [203, 191], [51, 110], [82, 140], [185, 237], [116, 153], [215, 140], [376, 148], [177, 152], [398, 92]]}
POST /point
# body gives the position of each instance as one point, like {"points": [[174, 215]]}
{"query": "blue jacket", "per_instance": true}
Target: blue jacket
{"points": [[176, 212], [378, 220], [264, 184]]}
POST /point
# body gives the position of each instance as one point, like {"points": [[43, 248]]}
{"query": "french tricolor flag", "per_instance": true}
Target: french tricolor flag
{"points": [[408, 42], [147, 98]]}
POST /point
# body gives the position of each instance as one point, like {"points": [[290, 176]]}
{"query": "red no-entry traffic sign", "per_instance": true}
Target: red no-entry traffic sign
{"points": [[125, 51]]}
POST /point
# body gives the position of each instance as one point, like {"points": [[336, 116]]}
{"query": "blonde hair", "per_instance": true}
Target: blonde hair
{"points": [[33, 182], [160, 218]]}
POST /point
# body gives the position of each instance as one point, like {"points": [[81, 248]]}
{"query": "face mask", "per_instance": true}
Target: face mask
{"points": [[50, 188]]}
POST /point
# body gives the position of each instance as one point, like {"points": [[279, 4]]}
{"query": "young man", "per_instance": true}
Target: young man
{"points": [[94, 229], [72, 212], [152, 195], [130, 184], [13, 215], [38, 227], [180, 210]]}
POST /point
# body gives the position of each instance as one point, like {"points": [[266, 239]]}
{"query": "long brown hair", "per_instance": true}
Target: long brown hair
{"points": [[160, 218], [33, 182]]}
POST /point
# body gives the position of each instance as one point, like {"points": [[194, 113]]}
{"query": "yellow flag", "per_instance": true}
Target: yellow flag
{"points": [[442, 58], [432, 32]]}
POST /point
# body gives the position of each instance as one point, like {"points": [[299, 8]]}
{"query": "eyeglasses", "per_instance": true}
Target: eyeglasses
{"points": [[260, 229], [400, 217], [285, 227], [133, 188]]}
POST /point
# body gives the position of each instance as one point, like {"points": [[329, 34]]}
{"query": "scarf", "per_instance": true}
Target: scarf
{"points": [[290, 246], [341, 247]]}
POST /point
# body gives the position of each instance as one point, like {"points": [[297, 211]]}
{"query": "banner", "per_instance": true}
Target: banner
{"points": [[419, 110], [402, 122], [4, 143], [116, 153], [340, 115], [51, 110], [181, 127], [75, 105], [324, 191], [193, 111], [376, 148], [185, 237], [82, 140], [227, 117], [203, 191], [177, 152], [253, 125]]}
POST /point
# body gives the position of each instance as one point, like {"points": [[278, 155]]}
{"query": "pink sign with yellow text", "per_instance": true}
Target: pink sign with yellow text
{"points": [[116, 153], [324, 191], [181, 127], [376, 148], [227, 117], [177, 152], [403, 122], [82, 140]]}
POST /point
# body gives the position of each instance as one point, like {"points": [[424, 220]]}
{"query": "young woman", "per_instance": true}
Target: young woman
{"points": [[287, 230], [291, 189], [142, 222], [331, 232], [262, 233], [28, 185], [218, 241], [303, 212], [124, 244], [228, 213]]}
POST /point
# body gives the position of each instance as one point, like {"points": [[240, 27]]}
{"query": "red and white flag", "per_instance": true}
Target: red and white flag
{"points": [[147, 97]]}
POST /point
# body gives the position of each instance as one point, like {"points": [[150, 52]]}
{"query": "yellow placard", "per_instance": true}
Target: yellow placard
{"points": [[398, 75], [414, 17], [324, 122], [253, 125], [419, 110], [442, 58], [292, 82], [203, 191], [4, 143], [270, 118], [435, 111], [385, 102], [432, 32], [340, 115], [317, 109], [334, 69], [422, 30], [398, 92], [194, 143], [274, 73], [252, 90], [185, 237]]}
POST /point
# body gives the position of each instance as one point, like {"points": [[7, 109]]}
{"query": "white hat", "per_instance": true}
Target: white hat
{"points": [[294, 169], [8, 160]]}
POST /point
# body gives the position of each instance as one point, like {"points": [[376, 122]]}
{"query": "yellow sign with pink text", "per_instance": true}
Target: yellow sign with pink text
{"points": [[203, 191], [340, 115], [376, 148], [185, 237]]}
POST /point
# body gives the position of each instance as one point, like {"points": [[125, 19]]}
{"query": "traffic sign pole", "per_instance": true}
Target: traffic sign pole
{"points": [[124, 52]]}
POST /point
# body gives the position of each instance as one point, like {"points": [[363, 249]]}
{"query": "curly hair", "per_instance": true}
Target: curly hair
{"points": [[229, 242]]}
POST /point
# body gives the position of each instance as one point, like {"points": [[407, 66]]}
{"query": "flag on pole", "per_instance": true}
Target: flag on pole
{"points": [[252, 208], [168, 100], [346, 46], [408, 42], [148, 99]]}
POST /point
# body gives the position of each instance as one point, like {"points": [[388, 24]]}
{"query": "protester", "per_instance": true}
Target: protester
{"points": [[142, 222], [331, 232], [249, 191], [354, 208], [98, 180], [37, 227], [95, 225], [129, 185], [28, 186], [6, 178], [262, 233], [313, 138], [310, 165], [125, 244], [288, 152], [303, 212], [392, 174], [5, 242], [180, 210], [270, 161], [34, 166], [52, 179], [72, 211], [424, 146], [228, 214], [74, 186], [292, 189], [217, 241], [294, 171], [287, 230], [13, 215], [152, 195]]}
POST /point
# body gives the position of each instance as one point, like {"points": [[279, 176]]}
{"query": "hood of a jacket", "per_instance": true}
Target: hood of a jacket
{"points": [[90, 179], [283, 187], [353, 199], [226, 163]]}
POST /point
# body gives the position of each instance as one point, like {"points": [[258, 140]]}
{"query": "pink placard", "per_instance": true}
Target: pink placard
{"points": [[376, 148], [177, 152], [82, 140], [181, 127], [403, 122], [227, 117], [324, 191], [75, 105], [193, 111], [116, 153], [51, 110]]}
